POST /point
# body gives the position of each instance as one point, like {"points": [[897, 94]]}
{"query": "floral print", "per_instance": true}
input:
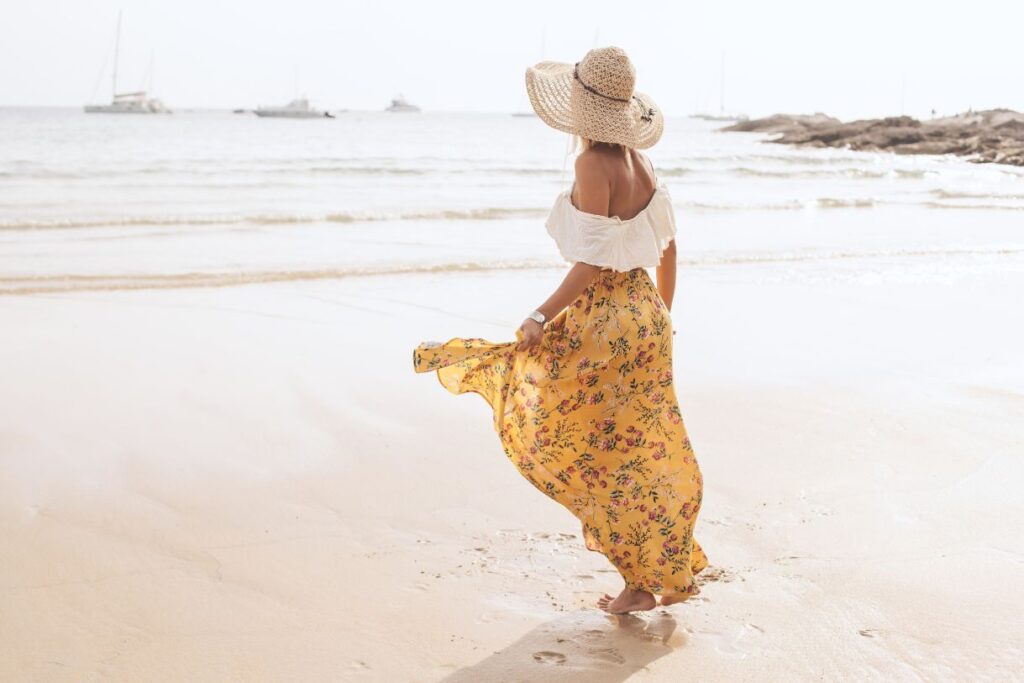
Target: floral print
{"points": [[590, 418]]}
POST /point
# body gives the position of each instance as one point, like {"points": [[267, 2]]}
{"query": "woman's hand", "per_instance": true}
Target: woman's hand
{"points": [[533, 332], [580, 275]]}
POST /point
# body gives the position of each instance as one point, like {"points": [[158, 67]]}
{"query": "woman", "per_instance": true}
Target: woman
{"points": [[584, 400]]}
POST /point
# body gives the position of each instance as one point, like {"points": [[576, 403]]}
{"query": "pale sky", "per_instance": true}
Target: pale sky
{"points": [[868, 58]]}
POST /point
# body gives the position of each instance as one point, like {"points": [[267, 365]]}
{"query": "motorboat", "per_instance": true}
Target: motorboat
{"points": [[721, 116], [296, 109], [399, 104]]}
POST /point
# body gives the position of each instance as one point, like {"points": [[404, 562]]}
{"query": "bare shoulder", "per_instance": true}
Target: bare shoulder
{"points": [[648, 163], [593, 187], [591, 169]]}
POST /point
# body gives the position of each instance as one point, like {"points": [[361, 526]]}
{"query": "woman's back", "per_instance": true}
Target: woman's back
{"points": [[584, 401], [629, 174]]}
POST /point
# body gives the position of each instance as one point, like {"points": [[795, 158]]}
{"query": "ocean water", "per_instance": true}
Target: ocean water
{"points": [[212, 198]]}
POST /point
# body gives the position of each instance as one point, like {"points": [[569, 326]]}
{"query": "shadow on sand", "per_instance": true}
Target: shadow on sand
{"points": [[585, 646]]}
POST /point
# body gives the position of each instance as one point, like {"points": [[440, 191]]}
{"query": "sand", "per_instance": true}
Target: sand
{"points": [[250, 483]]}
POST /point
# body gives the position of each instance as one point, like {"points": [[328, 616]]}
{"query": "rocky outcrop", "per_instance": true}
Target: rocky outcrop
{"points": [[992, 136], [784, 123]]}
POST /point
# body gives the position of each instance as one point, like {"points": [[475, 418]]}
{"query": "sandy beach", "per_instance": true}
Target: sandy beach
{"points": [[250, 483], [225, 230]]}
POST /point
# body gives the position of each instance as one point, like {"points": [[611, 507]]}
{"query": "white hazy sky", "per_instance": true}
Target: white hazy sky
{"points": [[866, 58]]}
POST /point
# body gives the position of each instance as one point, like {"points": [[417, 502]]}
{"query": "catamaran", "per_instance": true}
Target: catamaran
{"points": [[128, 102]]}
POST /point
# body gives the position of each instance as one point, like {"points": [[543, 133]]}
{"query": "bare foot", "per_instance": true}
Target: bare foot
{"points": [[629, 600], [675, 597]]}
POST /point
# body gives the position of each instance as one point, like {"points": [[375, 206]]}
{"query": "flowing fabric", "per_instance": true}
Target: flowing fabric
{"points": [[590, 418]]}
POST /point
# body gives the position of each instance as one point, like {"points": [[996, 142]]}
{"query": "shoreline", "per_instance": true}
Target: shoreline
{"points": [[55, 264]]}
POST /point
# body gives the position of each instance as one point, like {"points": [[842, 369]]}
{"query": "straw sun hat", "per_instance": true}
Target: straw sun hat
{"points": [[595, 99]]}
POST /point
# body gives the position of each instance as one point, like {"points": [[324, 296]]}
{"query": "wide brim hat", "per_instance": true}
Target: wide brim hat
{"points": [[595, 99]]}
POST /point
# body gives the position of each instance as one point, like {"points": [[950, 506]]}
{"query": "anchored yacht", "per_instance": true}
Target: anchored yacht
{"points": [[400, 104], [296, 109], [128, 102]]}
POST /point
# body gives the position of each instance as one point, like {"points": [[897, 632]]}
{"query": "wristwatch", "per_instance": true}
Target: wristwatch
{"points": [[536, 316]]}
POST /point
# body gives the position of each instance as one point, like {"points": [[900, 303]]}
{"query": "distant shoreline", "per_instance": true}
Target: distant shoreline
{"points": [[991, 136]]}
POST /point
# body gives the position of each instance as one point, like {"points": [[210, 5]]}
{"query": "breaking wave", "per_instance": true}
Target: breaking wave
{"points": [[850, 172], [486, 213]]}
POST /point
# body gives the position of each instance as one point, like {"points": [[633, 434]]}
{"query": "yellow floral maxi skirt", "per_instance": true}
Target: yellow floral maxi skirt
{"points": [[590, 418]]}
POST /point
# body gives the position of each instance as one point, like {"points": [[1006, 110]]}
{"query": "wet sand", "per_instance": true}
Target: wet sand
{"points": [[250, 483]]}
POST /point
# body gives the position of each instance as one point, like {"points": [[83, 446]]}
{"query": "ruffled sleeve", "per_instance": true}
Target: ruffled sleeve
{"points": [[610, 242]]}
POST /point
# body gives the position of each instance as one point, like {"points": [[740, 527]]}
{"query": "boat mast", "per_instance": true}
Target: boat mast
{"points": [[117, 48], [721, 88]]}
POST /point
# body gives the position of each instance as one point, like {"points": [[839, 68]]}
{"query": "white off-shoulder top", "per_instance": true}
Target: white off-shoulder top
{"points": [[610, 242]]}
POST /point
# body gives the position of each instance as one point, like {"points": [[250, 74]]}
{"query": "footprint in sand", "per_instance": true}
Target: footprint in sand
{"points": [[716, 575], [512, 533], [607, 655], [549, 657], [594, 642], [723, 521]]}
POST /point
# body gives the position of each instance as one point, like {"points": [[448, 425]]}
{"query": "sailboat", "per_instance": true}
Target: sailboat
{"points": [[721, 115], [127, 102]]}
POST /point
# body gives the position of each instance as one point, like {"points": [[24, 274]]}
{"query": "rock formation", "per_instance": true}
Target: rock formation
{"points": [[992, 136]]}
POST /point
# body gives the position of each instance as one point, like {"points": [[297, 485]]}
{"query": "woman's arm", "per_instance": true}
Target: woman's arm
{"points": [[666, 274], [572, 286], [593, 193]]}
